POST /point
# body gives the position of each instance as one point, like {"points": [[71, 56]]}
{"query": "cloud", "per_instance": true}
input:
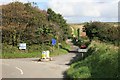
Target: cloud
{"points": [[24, 1], [97, 9], [109, 10], [74, 10], [84, 19]]}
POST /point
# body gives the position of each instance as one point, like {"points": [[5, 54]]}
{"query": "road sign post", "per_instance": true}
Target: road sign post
{"points": [[53, 43]]}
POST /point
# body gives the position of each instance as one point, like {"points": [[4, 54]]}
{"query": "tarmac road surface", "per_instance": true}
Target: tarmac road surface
{"points": [[31, 68]]}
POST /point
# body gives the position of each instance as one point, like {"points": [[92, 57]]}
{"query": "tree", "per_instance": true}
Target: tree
{"points": [[58, 19], [104, 31], [23, 22]]}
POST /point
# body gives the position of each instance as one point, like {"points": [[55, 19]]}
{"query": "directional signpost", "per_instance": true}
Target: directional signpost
{"points": [[53, 42]]}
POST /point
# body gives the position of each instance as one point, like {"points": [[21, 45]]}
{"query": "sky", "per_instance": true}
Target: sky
{"points": [[78, 11]]}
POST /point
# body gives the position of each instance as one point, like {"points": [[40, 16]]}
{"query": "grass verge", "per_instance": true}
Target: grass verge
{"points": [[32, 51], [101, 62]]}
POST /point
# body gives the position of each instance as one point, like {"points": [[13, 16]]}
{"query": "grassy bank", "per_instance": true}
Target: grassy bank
{"points": [[101, 62], [9, 51], [36, 54]]}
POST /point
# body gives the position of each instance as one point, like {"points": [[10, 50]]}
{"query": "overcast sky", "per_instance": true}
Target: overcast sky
{"points": [[77, 11]]}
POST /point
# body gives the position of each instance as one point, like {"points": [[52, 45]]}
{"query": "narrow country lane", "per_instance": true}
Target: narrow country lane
{"points": [[31, 68]]}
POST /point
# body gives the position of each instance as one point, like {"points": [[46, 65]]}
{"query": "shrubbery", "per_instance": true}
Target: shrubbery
{"points": [[101, 62], [103, 31], [9, 51], [25, 23]]}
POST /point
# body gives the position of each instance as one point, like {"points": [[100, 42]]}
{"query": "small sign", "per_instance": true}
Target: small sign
{"points": [[22, 45], [82, 50], [53, 42]]}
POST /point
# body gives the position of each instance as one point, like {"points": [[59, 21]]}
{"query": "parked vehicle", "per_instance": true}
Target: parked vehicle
{"points": [[82, 48]]}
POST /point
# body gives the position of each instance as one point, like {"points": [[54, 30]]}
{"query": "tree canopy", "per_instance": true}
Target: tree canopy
{"points": [[103, 31], [23, 22]]}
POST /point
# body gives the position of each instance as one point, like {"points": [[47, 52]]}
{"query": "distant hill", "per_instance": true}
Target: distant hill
{"points": [[86, 22], [112, 23]]}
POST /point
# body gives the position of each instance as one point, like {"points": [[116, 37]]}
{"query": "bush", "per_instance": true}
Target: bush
{"points": [[103, 31], [101, 62], [9, 51], [23, 22]]}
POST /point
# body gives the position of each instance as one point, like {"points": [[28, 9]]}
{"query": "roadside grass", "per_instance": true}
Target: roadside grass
{"points": [[9, 51], [75, 31], [21, 55], [66, 45], [56, 52], [100, 62], [0, 55], [61, 50]]}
